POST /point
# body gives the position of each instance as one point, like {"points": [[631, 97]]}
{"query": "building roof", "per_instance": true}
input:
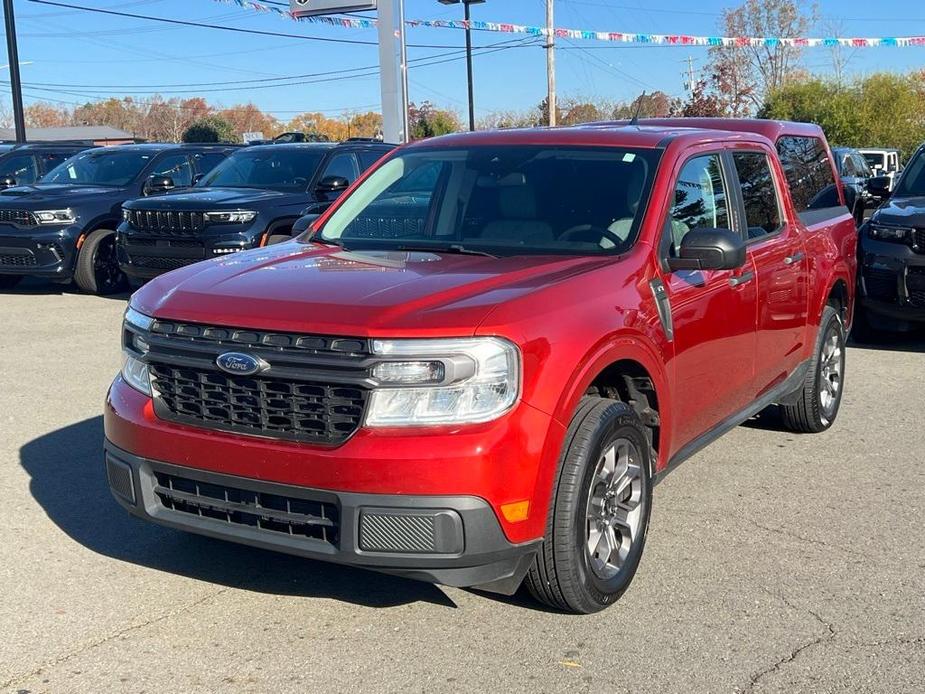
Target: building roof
{"points": [[77, 132]]}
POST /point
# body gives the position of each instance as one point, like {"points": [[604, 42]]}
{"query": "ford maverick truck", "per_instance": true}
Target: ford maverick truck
{"points": [[474, 367]]}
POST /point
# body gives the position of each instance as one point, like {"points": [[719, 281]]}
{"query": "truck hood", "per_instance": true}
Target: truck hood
{"points": [[309, 288], [220, 198], [53, 194], [904, 211]]}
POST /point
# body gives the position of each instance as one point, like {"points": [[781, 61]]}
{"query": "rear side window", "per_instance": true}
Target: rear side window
{"points": [[759, 195], [368, 157], [208, 161], [699, 199], [809, 177]]}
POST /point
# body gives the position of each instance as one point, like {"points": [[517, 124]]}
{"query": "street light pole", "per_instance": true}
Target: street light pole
{"points": [[15, 84]]}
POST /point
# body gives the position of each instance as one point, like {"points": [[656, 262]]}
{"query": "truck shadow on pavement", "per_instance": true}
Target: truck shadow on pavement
{"points": [[68, 480], [37, 287]]}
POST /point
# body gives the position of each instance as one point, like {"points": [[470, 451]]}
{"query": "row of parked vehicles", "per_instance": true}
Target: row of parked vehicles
{"points": [[103, 216]]}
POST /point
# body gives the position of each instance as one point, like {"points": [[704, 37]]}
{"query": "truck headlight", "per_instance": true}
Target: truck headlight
{"points": [[443, 381], [55, 216], [134, 370], [230, 217], [135, 373], [883, 232]]}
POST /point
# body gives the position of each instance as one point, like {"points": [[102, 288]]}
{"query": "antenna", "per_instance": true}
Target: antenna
{"points": [[635, 119]]}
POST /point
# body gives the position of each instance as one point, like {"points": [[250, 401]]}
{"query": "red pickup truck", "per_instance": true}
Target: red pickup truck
{"points": [[474, 368]]}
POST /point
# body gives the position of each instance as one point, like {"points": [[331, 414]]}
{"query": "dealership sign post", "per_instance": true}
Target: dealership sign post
{"points": [[393, 73]]}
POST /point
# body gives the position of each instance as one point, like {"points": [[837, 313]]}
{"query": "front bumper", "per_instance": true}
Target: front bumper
{"points": [[453, 540], [892, 280], [38, 251], [146, 255]]}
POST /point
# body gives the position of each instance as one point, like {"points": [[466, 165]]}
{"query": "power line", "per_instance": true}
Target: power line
{"points": [[238, 30]]}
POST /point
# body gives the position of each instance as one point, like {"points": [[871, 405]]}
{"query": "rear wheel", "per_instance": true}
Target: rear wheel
{"points": [[97, 270], [600, 515], [9, 281], [820, 396]]}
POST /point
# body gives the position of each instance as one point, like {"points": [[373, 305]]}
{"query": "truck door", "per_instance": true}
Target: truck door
{"points": [[775, 246], [712, 313]]}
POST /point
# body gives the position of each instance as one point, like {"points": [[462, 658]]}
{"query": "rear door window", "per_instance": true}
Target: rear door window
{"points": [[208, 161], [812, 185], [759, 194]]}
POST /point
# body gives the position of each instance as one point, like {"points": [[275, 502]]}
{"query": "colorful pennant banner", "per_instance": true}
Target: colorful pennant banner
{"points": [[612, 36]]}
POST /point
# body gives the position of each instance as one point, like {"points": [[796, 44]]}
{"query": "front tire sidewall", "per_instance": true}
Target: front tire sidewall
{"points": [[604, 592]]}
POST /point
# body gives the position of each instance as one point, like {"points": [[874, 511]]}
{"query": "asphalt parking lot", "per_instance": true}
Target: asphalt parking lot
{"points": [[775, 562]]}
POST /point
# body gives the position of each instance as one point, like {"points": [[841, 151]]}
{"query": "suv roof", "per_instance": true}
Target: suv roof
{"points": [[163, 146]]}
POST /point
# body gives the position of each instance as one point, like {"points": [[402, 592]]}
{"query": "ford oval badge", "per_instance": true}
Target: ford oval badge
{"points": [[240, 364]]}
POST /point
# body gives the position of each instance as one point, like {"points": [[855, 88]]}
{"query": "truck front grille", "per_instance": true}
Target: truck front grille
{"points": [[20, 218], [167, 222], [918, 240], [295, 516], [280, 408], [880, 284]]}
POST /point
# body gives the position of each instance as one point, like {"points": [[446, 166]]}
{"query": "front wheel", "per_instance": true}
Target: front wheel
{"points": [[819, 398], [600, 513], [97, 270]]}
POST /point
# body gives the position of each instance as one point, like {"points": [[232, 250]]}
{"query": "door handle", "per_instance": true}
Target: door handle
{"points": [[744, 278], [795, 258]]}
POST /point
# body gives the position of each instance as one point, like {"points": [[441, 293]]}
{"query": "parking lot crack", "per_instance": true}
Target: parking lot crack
{"points": [[827, 634], [64, 657], [797, 536]]}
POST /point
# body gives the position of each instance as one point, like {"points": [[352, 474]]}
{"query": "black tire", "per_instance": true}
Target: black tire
{"points": [[97, 270], [278, 238], [810, 413], [562, 575], [9, 281]]}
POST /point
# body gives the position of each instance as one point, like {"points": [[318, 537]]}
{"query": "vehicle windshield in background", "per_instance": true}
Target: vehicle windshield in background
{"points": [[505, 201], [875, 159], [912, 182], [275, 168], [108, 168]]}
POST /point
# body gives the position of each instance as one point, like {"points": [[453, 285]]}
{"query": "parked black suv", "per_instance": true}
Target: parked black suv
{"points": [[21, 164], [251, 199], [64, 227], [892, 249]]}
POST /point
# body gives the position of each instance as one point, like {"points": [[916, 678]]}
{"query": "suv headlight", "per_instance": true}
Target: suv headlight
{"points": [[66, 216], [883, 232], [134, 370], [230, 217], [443, 381]]}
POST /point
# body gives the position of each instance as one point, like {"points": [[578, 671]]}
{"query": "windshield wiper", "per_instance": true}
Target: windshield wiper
{"points": [[328, 242], [449, 248]]}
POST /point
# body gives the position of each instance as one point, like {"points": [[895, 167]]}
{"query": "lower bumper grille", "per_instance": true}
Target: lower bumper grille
{"points": [[296, 410], [17, 258], [157, 262], [316, 520], [880, 284]]}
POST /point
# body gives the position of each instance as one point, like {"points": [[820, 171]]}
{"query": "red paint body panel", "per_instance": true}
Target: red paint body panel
{"points": [[571, 317]]}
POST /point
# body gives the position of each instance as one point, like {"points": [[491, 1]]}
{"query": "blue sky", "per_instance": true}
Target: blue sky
{"points": [[102, 54]]}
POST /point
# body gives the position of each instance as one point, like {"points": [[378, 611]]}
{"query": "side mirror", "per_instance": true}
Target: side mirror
{"points": [[303, 223], [333, 185], [158, 184], [879, 186], [709, 249], [7, 182]]}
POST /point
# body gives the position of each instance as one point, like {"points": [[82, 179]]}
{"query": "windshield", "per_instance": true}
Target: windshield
{"points": [[875, 159], [101, 168], [274, 168], [501, 200], [912, 181]]}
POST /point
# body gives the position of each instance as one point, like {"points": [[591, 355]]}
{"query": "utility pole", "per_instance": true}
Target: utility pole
{"points": [[469, 67], [15, 84], [690, 75], [550, 63]]}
